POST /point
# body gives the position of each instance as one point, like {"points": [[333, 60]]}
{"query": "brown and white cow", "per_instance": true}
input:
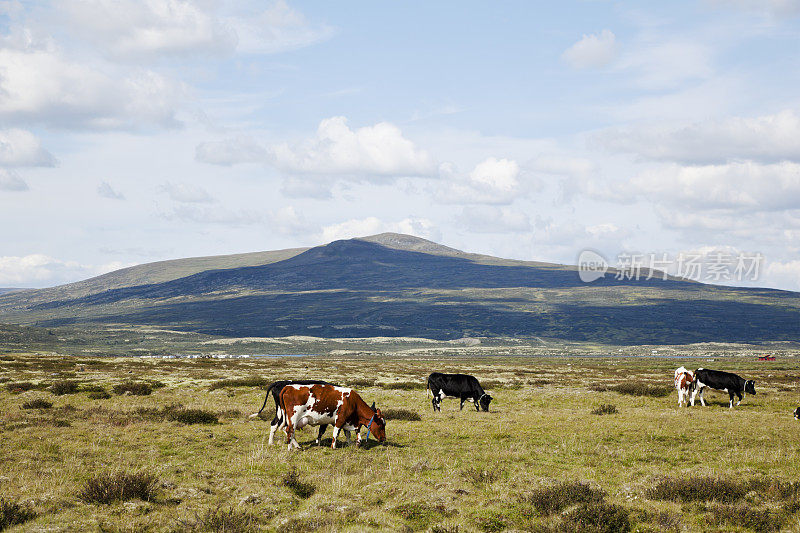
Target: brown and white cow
{"points": [[318, 404], [683, 383]]}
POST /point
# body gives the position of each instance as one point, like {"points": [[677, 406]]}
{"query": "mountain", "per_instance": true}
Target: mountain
{"points": [[398, 285]]}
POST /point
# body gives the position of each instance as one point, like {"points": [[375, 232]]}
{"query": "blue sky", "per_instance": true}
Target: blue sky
{"points": [[135, 131]]}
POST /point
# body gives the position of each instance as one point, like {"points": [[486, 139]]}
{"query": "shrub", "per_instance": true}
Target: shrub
{"points": [[38, 403], [697, 489], [119, 486], [134, 388], [553, 499], [598, 387], [491, 522], [747, 517], [251, 381], [229, 520], [401, 414], [420, 514], [20, 386], [59, 388], [300, 488], [360, 382], [642, 389], [12, 513], [597, 517], [92, 388], [99, 395], [605, 409], [193, 416]]}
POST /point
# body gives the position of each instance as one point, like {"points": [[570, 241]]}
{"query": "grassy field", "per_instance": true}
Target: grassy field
{"points": [[540, 460]]}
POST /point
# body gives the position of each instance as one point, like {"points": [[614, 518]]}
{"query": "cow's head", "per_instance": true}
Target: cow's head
{"points": [[797, 414], [750, 386], [378, 426], [484, 401]]}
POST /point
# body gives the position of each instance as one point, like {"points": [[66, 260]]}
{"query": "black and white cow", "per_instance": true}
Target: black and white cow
{"points": [[461, 386], [279, 419], [797, 414], [724, 381]]}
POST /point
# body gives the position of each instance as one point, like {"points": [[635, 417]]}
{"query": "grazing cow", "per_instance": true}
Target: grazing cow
{"points": [[683, 383], [461, 386], [724, 381], [328, 404], [797, 414], [279, 420]]}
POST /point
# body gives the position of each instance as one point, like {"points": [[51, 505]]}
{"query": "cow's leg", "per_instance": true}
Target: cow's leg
{"points": [[702, 400], [336, 430], [462, 403], [291, 441], [477, 406], [322, 429], [277, 420], [739, 395], [347, 436], [730, 402], [680, 398]]}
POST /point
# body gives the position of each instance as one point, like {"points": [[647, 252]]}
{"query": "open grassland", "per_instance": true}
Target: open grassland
{"points": [[167, 445]]}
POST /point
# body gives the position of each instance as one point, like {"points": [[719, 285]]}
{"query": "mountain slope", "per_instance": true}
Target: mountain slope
{"points": [[394, 285]]}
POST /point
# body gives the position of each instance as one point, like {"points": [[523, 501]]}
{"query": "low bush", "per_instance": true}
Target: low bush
{"points": [[403, 385], [360, 382], [597, 517], [119, 486], [479, 476], [401, 414], [549, 500], [605, 409], [193, 416], [99, 395], [133, 388], [59, 388], [13, 513], [299, 488], [229, 520], [760, 520], [38, 403], [21, 386], [251, 381], [698, 489]]}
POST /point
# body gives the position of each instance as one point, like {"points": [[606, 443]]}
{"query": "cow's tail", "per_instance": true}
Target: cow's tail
{"points": [[428, 392], [266, 399]]}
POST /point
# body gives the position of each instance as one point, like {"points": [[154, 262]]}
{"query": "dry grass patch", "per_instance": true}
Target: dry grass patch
{"points": [[133, 388], [64, 386], [299, 488], [119, 486], [597, 517], [250, 381], [13, 513], [741, 515], [605, 409], [401, 414], [697, 489], [38, 403], [554, 499], [219, 520]]}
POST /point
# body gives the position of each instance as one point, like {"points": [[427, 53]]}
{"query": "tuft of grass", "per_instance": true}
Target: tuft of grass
{"points": [[99, 395], [419, 514], [492, 522], [13, 513], [401, 414], [133, 388], [760, 520], [697, 489], [251, 381], [356, 383], [193, 416], [38, 403], [119, 486], [637, 388], [554, 499], [64, 386], [597, 517], [302, 525], [221, 520], [481, 476], [299, 488], [605, 409], [21, 386]]}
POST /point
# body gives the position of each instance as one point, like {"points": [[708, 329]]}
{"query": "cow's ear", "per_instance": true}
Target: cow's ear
{"points": [[373, 406]]}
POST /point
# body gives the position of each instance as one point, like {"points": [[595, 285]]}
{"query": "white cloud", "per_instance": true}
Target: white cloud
{"points": [[288, 221], [306, 188], [368, 152], [36, 270], [663, 63], [149, 28], [187, 193], [11, 182], [490, 219], [593, 50], [741, 185], [107, 191], [784, 274], [277, 29], [232, 151], [767, 138], [79, 95], [492, 181], [21, 148], [420, 227]]}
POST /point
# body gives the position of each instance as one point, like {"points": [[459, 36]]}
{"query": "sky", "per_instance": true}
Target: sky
{"points": [[134, 131]]}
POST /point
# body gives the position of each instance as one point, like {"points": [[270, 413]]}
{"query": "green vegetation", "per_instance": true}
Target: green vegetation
{"points": [[539, 461], [605, 409], [13, 513], [130, 387], [37, 403]]}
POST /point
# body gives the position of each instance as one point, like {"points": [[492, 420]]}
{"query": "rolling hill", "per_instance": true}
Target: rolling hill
{"points": [[398, 285]]}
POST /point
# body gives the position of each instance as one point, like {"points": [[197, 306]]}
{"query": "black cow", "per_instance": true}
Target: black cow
{"points": [[460, 386], [797, 414], [724, 381], [278, 420]]}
